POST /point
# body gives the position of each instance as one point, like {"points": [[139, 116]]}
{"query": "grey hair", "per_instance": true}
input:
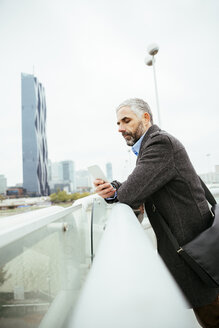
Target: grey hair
{"points": [[138, 106]]}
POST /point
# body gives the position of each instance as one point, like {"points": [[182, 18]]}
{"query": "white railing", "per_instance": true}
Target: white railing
{"points": [[128, 285], [45, 256]]}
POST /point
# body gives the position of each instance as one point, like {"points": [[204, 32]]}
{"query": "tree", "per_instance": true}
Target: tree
{"points": [[61, 196]]}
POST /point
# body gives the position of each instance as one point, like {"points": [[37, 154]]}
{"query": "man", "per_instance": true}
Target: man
{"points": [[165, 180]]}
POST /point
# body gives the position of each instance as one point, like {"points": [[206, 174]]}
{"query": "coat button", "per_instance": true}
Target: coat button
{"points": [[153, 208]]}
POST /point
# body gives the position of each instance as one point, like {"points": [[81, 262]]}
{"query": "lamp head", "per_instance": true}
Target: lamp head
{"points": [[148, 61], [153, 49]]}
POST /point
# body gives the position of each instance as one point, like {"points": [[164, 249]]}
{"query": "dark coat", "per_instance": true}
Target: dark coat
{"points": [[164, 178]]}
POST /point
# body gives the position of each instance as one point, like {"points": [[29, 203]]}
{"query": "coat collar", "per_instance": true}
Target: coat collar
{"points": [[154, 128]]}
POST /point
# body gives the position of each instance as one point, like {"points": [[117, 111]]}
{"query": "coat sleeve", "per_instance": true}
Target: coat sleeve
{"points": [[155, 167]]}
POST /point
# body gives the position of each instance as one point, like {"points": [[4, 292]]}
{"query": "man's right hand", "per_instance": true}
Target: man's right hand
{"points": [[104, 189]]}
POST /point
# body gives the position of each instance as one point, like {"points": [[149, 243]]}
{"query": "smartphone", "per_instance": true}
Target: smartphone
{"points": [[97, 173]]}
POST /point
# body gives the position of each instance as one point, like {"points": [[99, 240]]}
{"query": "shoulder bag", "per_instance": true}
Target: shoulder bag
{"points": [[201, 253]]}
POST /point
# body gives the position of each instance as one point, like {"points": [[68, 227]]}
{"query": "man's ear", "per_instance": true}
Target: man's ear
{"points": [[146, 118]]}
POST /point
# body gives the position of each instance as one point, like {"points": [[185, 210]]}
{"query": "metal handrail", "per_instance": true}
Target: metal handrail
{"points": [[17, 226], [118, 291], [31, 233], [128, 285]]}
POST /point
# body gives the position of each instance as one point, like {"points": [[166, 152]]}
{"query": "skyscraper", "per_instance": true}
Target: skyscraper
{"points": [[34, 142], [62, 174], [109, 171], [83, 181], [69, 173], [3, 184]]}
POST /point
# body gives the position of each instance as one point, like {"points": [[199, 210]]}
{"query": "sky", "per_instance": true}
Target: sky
{"points": [[89, 55]]}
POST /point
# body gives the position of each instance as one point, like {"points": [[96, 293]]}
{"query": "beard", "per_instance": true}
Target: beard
{"points": [[134, 136]]}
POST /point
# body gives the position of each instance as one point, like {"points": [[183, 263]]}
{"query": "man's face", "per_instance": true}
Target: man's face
{"points": [[131, 127]]}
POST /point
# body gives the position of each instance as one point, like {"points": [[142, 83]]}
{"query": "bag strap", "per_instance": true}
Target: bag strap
{"points": [[210, 198]]}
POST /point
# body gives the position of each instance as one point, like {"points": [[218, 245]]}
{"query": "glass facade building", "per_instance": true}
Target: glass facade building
{"points": [[34, 142], [83, 181], [109, 171], [3, 184], [62, 176], [68, 170]]}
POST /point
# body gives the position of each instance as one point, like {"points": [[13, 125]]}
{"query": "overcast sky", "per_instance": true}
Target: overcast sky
{"points": [[89, 55]]}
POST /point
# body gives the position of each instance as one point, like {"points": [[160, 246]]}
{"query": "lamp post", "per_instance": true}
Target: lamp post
{"points": [[150, 61]]}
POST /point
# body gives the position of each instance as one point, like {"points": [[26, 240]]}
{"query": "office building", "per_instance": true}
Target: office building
{"points": [[55, 171], [83, 181], [34, 142], [109, 172], [68, 170], [62, 176], [15, 192], [3, 184]]}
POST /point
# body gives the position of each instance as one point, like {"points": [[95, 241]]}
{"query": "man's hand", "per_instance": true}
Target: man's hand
{"points": [[104, 189], [139, 212]]}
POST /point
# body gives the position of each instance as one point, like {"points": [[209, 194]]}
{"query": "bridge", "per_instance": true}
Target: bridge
{"points": [[89, 265]]}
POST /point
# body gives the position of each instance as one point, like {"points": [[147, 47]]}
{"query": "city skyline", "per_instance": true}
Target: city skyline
{"points": [[90, 57], [63, 175]]}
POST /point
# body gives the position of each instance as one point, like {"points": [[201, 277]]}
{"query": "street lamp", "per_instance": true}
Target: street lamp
{"points": [[150, 61]]}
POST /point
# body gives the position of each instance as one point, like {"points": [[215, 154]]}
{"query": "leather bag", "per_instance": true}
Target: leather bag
{"points": [[201, 253]]}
